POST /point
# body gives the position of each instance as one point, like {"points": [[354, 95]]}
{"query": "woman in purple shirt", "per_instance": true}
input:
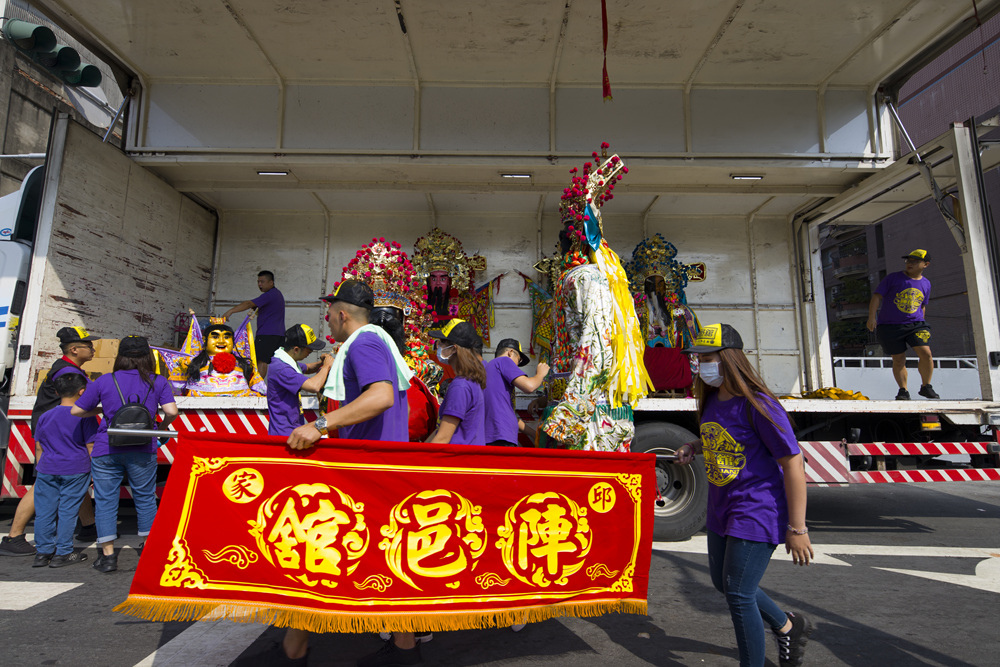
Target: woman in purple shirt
{"points": [[757, 496], [464, 409], [135, 376]]}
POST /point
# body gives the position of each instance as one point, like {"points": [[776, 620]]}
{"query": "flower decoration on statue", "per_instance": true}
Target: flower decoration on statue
{"points": [[224, 362]]}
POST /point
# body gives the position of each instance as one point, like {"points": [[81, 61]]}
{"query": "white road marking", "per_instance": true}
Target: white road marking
{"points": [[986, 578], [210, 642], [21, 595]]}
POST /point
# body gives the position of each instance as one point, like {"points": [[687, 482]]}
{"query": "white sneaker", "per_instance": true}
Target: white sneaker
{"points": [[517, 627], [385, 636]]}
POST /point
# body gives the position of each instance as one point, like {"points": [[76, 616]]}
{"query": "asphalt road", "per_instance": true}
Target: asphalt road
{"points": [[906, 575]]}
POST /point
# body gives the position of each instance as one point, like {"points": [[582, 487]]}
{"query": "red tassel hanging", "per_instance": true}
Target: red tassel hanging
{"points": [[604, 24]]}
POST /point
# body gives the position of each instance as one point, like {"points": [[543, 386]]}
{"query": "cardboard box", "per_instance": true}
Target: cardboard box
{"points": [[106, 348], [42, 374], [99, 366]]}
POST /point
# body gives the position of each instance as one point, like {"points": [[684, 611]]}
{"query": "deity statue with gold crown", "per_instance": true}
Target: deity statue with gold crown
{"points": [[445, 274], [215, 362], [401, 311], [598, 342]]}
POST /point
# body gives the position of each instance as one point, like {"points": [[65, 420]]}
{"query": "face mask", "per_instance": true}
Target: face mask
{"points": [[443, 358], [710, 373]]}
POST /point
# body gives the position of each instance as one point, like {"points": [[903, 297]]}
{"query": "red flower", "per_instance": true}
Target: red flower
{"points": [[224, 363]]}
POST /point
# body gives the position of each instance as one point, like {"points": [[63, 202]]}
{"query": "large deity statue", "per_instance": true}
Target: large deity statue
{"points": [[401, 311], [215, 362], [657, 281], [598, 341], [447, 274]]}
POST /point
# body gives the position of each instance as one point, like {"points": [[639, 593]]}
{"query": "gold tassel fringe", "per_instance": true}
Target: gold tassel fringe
{"points": [[174, 609]]}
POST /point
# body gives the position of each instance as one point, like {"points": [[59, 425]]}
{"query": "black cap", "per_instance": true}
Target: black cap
{"points": [[302, 335], [69, 335], [134, 346], [353, 292], [515, 345], [458, 332], [715, 337]]}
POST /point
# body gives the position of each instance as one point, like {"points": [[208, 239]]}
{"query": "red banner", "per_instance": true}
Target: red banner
{"points": [[359, 536]]}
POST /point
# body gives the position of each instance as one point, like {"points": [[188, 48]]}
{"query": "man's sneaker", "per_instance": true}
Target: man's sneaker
{"points": [[41, 560], [927, 391], [106, 564], [792, 647], [517, 627], [421, 637], [273, 656], [391, 655], [16, 546], [903, 395], [87, 533], [68, 559]]}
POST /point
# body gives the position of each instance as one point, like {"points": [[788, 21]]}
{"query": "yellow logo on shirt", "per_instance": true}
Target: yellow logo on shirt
{"points": [[724, 457], [909, 300]]}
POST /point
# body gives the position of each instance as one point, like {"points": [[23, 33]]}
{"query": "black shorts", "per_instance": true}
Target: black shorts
{"points": [[266, 346], [895, 337]]}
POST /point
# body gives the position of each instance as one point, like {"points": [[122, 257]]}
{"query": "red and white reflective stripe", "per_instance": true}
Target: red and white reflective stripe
{"points": [[916, 448], [825, 461], [22, 444], [950, 475], [12, 474]]}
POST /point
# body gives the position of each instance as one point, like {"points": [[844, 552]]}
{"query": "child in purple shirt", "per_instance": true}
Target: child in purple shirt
{"points": [[462, 413], [289, 376], [757, 497], [62, 474], [504, 373]]}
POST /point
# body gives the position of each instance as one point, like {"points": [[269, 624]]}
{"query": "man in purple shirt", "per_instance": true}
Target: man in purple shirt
{"points": [[374, 408], [504, 373], [289, 376], [902, 297], [270, 307]]}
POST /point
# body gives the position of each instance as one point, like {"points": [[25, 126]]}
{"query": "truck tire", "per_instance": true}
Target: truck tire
{"points": [[683, 504]]}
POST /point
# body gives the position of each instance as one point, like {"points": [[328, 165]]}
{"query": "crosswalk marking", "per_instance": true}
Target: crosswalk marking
{"points": [[21, 595], [210, 642], [986, 578]]}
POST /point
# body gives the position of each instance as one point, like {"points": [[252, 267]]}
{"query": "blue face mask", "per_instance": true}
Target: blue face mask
{"points": [[710, 373]]}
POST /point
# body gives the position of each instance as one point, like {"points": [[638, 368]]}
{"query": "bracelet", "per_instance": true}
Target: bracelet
{"points": [[794, 531]]}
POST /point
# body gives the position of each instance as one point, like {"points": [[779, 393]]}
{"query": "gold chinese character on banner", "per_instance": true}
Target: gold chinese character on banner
{"points": [[314, 533], [545, 538], [435, 534], [243, 486]]}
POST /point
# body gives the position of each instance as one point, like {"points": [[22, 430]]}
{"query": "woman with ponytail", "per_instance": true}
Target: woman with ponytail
{"points": [[463, 412]]}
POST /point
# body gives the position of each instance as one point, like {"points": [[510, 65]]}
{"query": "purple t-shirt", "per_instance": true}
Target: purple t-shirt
{"points": [[501, 421], [464, 401], [369, 361], [102, 392], [284, 412], [270, 313], [64, 439], [903, 298], [746, 494]]}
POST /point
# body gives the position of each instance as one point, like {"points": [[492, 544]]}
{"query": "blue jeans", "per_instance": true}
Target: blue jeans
{"points": [[737, 566], [108, 472], [57, 501]]}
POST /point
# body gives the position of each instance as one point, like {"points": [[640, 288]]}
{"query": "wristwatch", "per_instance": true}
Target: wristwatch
{"points": [[320, 425]]}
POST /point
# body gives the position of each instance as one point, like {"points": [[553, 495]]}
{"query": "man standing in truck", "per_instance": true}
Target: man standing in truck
{"points": [[897, 314], [270, 307]]}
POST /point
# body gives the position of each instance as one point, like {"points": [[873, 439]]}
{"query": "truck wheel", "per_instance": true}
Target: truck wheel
{"points": [[683, 503]]}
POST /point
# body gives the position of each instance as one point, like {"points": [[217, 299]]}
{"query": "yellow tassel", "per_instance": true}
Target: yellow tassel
{"points": [[175, 609]]}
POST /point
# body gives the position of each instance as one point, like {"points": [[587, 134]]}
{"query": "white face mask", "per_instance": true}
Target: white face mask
{"points": [[710, 373], [443, 358]]}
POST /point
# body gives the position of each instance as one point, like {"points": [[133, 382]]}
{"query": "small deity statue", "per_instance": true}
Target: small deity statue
{"points": [[215, 362]]}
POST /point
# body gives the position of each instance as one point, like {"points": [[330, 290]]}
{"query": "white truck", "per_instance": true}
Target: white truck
{"points": [[263, 159]]}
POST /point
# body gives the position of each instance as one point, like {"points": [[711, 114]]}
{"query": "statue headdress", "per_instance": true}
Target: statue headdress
{"points": [[438, 251], [655, 256]]}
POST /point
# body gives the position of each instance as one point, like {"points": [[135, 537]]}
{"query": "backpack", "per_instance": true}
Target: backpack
{"points": [[132, 414]]}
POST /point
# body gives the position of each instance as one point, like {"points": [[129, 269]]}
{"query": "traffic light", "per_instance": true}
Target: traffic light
{"points": [[39, 42]]}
